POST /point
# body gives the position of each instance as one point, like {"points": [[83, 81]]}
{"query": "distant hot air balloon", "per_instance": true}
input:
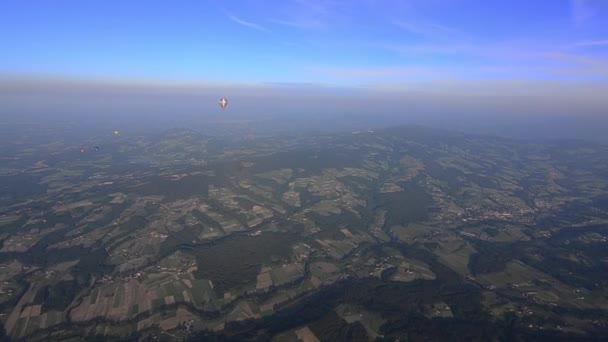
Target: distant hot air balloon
{"points": [[223, 102]]}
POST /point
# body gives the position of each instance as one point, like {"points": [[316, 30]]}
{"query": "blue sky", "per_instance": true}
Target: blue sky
{"points": [[340, 42]]}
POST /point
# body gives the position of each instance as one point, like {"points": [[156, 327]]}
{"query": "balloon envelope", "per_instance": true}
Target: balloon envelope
{"points": [[223, 102]]}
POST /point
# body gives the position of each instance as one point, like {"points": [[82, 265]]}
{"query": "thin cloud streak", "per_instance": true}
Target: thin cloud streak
{"points": [[245, 23], [507, 87], [310, 15], [416, 73], [496, 50], [518, 57], [303, 24], [429, 29], [374, 72], [593, 43], [583, 65]]}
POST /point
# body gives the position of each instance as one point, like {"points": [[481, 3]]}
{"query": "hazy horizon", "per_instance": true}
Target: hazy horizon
{"points": [[566, 112]]}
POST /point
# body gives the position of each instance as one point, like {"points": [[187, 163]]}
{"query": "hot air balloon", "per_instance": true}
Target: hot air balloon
{"points": [[223, 103]]}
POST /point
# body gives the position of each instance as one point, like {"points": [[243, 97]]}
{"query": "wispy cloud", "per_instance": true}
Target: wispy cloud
{"points": [[493, 50], [310, 14], [245, 23], [581, 11], [429, 29], [371, 72], [302, 23], [593, 43], [502, 62], [417, 72], [581, 65]]}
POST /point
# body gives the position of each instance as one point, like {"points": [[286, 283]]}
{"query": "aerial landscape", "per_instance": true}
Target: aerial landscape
{"points": [[358, 236], [304, 170]]}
